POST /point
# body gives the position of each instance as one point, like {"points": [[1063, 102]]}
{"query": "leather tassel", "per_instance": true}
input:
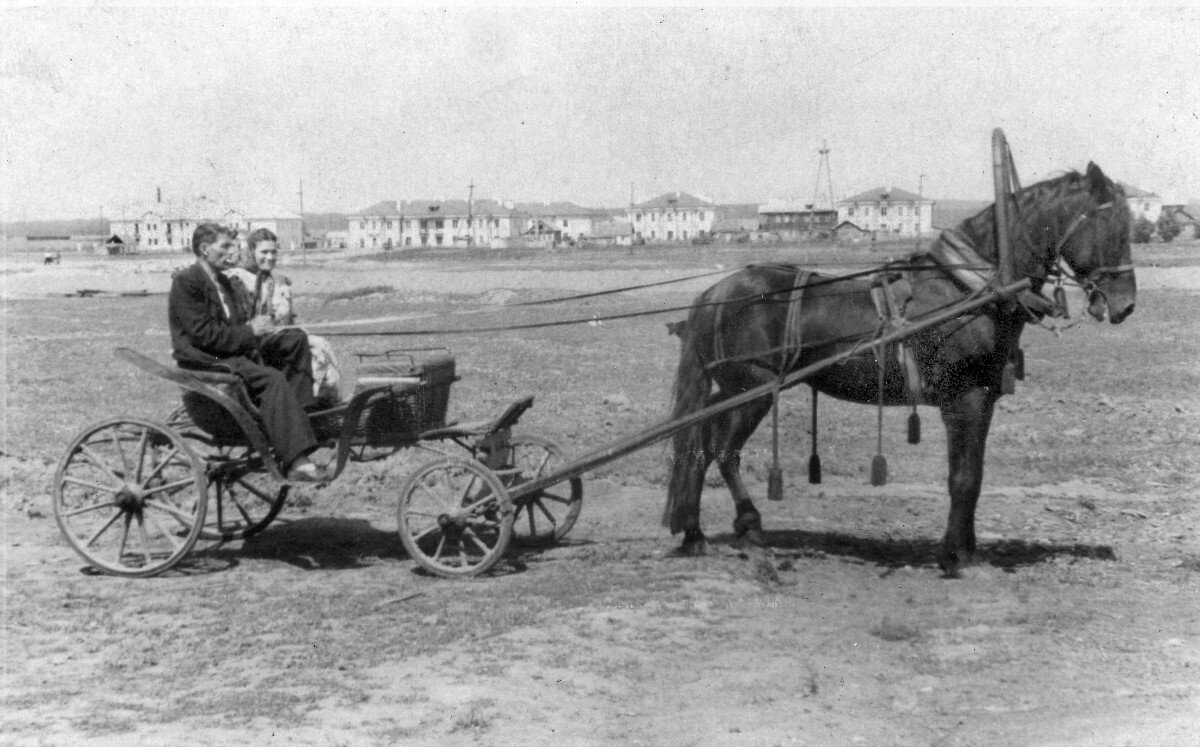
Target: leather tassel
{"points": [[1019, 361], [914, 427], [814, 461], [775, 484], [879, 470]]}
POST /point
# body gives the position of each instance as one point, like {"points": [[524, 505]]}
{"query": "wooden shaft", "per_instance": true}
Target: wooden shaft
{"points": [[668, 428]]}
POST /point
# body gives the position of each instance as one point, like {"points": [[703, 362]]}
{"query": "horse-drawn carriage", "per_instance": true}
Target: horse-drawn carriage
{"points": [[758, 332], [133, 496]]}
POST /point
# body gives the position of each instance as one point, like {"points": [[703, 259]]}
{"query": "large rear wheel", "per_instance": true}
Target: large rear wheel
{"points": [[455, 517], [130, 497]]}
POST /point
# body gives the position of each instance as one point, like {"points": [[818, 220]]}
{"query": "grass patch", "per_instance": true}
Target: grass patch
{"points": [[891, 629]]}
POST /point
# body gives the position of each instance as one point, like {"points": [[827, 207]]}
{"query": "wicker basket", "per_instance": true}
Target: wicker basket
{"points": [[418, 401]]}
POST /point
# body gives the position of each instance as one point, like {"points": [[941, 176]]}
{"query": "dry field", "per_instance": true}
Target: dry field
{"points": [[1081, 626]]}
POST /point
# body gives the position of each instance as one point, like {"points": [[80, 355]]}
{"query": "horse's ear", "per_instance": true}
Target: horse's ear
{"points": [[1102, 186]]}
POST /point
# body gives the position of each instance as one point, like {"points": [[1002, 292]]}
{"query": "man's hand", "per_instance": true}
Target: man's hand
{"points": [[261, 325]]}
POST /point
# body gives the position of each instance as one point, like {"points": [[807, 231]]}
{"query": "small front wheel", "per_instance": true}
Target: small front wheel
{"points": [[544, 517], [455, 517], [130, 497]]}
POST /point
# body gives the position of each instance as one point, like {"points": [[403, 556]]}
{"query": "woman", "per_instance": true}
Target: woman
{"points": [[261, 290]]}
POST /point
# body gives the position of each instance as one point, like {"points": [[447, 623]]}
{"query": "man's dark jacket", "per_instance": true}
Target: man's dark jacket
{"points": [[201, 333]]}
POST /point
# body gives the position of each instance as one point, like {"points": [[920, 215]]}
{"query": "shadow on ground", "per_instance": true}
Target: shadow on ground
{"points": [[315, 543], [896, 553]]}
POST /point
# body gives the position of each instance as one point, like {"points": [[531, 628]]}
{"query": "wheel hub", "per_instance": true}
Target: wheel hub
{"points": [[131, 498]]}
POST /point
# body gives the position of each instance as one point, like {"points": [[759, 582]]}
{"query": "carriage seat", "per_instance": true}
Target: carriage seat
{"points": [[211, 417]]}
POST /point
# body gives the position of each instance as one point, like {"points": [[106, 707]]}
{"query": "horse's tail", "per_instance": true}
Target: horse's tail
{"points": [[690, 393]]}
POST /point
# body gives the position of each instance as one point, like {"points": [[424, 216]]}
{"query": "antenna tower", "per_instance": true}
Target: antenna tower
{"points": [[822, 167]]}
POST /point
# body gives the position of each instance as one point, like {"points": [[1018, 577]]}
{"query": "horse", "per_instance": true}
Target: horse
{"points": [[738, 335]]}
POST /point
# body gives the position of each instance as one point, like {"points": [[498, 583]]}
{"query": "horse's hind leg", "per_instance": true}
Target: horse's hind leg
{"points": [[731, 432]]}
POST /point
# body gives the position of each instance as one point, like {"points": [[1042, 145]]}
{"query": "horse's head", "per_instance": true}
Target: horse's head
{"points": [[1093, 240]]}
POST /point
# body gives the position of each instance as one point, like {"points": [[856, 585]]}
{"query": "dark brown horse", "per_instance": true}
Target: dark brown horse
{"points": [[738, 336]]}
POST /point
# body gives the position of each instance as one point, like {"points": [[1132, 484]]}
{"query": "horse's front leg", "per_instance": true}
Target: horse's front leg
{"points": [[967, 420]]}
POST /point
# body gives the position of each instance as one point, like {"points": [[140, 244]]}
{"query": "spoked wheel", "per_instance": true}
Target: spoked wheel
{"points": [[129, 495], [242, 496], [180, 420], [455, 517], [546, 516]]}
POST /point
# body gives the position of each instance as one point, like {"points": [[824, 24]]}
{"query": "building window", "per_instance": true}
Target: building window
{"points": [[564, 223], [883, 211], [454, 222]]}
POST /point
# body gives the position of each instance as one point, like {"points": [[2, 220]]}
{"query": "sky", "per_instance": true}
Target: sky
{"points": [[104, 104]]}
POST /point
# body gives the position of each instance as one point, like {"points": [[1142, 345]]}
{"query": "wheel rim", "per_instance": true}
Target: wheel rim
{"points": [[130, 497], [546, 516], [455, 517], [243, 499]]}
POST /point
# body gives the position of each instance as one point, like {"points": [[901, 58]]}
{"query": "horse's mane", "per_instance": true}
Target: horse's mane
{"points": [[1048, 196]]}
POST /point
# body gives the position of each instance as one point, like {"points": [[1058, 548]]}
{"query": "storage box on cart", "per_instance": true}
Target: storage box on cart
{"points": [[420, 383]]}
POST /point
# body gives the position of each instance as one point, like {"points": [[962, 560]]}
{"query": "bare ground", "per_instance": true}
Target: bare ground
{"points": [[1080, 626]]}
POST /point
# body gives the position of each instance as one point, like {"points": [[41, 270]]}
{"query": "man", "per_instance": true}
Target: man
{"points": [[208, 331]]}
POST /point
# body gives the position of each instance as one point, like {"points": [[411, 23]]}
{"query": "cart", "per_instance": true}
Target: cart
{"points": [[133, 496]]}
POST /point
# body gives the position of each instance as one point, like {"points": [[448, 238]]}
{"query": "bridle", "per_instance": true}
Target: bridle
{"points": [[1087, 283]]}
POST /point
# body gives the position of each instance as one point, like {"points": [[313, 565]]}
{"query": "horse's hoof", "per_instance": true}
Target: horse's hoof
{"points": [[953, 564], [693, 546], [749, 522]]}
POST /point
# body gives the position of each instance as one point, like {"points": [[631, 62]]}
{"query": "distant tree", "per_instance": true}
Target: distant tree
{"points": [[1168, 227], [1141, 231]]}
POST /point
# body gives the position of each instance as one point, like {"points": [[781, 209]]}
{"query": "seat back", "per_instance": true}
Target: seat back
{"points": [[211, 417]]}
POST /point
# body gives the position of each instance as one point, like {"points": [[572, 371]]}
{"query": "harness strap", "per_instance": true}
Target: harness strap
{"points": [[891, 318]]}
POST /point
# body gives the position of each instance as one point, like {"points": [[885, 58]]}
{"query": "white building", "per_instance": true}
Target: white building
{"points": [[401, 225], [1143, 204], [675, 216], [887, 211], [168, 226], [564, 221]]}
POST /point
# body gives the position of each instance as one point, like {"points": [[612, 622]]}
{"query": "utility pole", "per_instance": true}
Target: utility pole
{"points": [[303, 248], [471, 214]]}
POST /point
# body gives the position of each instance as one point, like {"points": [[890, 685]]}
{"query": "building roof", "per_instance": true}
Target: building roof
{"points": [[849, 224], [884, 194], [796, 205], [204, 208], [382, 209], [675, 200], [434, 209], [553, 209]]}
